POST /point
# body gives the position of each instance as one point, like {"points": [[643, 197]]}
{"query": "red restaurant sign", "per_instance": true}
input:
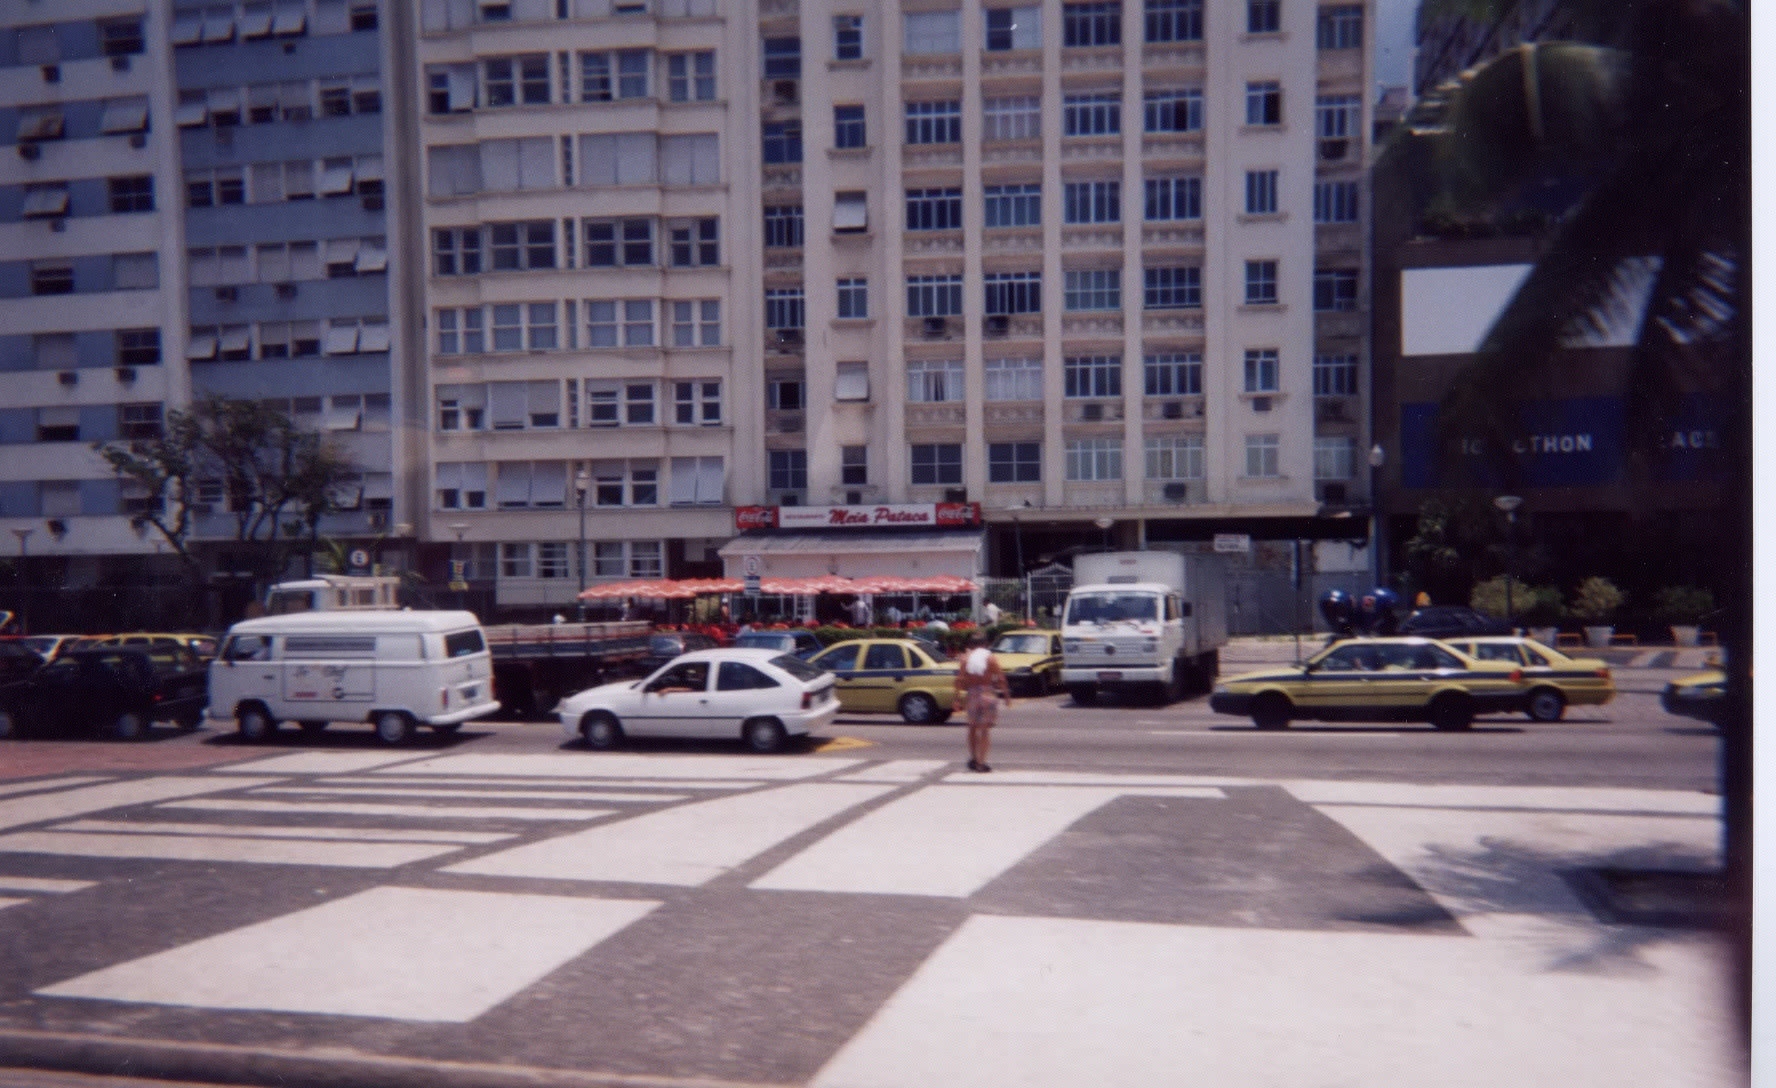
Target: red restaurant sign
{"points": [[940, 515]]}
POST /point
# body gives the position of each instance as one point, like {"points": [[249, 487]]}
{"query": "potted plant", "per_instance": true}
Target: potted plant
{"points": [[1683, 608], [1595, 603], [1542, 613]]}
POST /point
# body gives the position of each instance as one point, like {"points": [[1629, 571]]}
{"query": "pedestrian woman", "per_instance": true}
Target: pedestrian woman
{"points": [[978, 682]]}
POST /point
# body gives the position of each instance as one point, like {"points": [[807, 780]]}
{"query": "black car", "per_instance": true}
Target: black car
{"points": [[18, 660], [799, 642], [663, 646], [118, 690], [1452, 621]]}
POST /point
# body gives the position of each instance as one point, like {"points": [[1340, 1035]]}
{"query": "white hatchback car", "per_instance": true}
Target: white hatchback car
{"points": [[759, 696]]}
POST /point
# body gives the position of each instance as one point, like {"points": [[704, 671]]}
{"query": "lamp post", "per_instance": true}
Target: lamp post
{"points": [[582, 480], [1509, 504], [459, 567], [1377, 517], [1105, 524], [19, 578]]}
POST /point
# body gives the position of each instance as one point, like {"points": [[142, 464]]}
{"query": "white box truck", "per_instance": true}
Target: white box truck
{"points": [[1151, 621]]}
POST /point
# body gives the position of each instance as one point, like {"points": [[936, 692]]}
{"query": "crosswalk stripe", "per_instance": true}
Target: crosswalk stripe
{"points": [[490, 794], [42, 884], [366, 808], [40, 784], [292, 831], [37, 808], [355, 855], [629, 765]]}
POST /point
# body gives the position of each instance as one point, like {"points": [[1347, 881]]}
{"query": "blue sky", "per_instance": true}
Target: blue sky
{"points": [[1393, 42]]}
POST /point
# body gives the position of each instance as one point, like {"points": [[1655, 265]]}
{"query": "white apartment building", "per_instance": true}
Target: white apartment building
{"points": [[1079, 263]]}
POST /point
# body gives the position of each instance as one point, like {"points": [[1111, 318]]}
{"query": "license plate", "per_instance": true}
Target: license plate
{"points": [[1109, 676]]}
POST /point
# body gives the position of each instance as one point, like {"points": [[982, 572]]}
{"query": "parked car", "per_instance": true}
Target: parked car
{"points": [[204, 646], [1555, 680], [663, 646], [1031, 660], [892, 675], [799, 642], [117, 689], [1451, 621], [1375, 680], [45, 646], [758, 696], [1701, 695], [18, 659]]}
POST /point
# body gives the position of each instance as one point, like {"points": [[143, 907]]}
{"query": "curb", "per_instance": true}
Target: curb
{"points": [[226, 1064]]}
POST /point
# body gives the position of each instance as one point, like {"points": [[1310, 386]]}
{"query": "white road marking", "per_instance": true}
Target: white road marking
{"points": [[941, 841], [1547, 798], [42, 884], [51, 783], [37, 808], [491, 794], [293, 831], [317, 763], [5, 902], [1079, 778], [1222, 731], [351, 855], [608, 765], [687, 845], [416, 812], [1013, 1002], [641, 786], [415, 954], [896, 770]]}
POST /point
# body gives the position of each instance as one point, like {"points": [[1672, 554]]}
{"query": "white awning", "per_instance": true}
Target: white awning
{"points": [[343, 414], [237, 338], [336, 178], [41, 125], [340, 340], [373, 257], [188, 28], [218, 24], [374, 337], [190, 114], [203, 346], [255, 21], [342, 251], [124, 115], [290, 19], [47, 202]]}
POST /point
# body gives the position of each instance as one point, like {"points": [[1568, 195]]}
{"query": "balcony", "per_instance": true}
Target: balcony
{"points": [[929, 156], [1011, 153], [1172, 321], [1091, 237], [1173, 55], [1172, 147], [1092, 411], [1106, 325], [1012, 413], [1181, 237], [1172, 408], [1016, 62], [943, 414], [1091, 148], [932, 243], [1097, 58], [1011, 240], [941, 66]]}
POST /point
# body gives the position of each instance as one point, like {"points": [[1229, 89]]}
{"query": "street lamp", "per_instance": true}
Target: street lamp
{"points": [[1378, 519], [1509, 504], [459, 567], [1105, 524], [582, 480]]}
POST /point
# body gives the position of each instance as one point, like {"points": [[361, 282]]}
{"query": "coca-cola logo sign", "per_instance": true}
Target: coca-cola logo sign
{"points": [[755, 517]]}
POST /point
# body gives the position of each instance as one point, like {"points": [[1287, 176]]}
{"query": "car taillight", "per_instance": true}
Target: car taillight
{"points": [[1516, 676], [807, 700], [444, 698], [1603, 673]]}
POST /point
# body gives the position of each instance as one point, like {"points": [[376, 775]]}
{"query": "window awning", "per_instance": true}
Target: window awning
{"points": [[218, 24], [342, 251], [237, 338], [341, 340], [187, 28], [47, 202], [203, 346], [41, 125], [255, 21], [124, 115], [336, 178], [290, 19], [373, 257], [374, 337]]}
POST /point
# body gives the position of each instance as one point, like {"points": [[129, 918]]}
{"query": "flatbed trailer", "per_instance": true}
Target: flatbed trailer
{"points": [[536, 664]]}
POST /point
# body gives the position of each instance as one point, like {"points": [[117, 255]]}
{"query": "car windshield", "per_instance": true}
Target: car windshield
{"points": [[796, 667], [1021, 644], [665, 644], [764, 642], [1110, 607]]}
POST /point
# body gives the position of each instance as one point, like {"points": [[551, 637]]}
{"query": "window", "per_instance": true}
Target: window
{"points": [[1263, 455], [937, 463], [461, 332], [1015, 118], [522, 246], [1013, 28], [1264, 16], [1092, 202], [853, 465], [1174, 20], [1263, 370], [1173, 374], [1175, 457], [1335, 202], [850, 212], [848, 127], [783, 142], [934, 296], [783, 226], [934, 209], [1335, 375], [137, 421], [934, 381], [120, 37], [1172, 111], [624, 483], [1338, 116], [934, 122], [853, 297], [784, 308], [696, 481], [208, 188], [515, 559], [930, 32], [1340, 27], [690, 77], [138, 347], [695, 242], [1092, 114], [697, 403], [624, 323], [1093, 289], [512, 81], [847, 37], [1093, 376], [53, 277], [613, 243], [633, 74], [1094, 459], [1172, 199], [783, 58], [60, 423], [520, 406], [1335, 290], [696, 323], [851, 381], [788, 470], [1014, 462], [522, 326], [784, 393], [1013, 379], [456, 251], [462, 407], [1013, 205], [1172, 288], [1091, 24], [1261, 192], [1013, 292], [1335, 457], [131, 194], [462, 485], [1264, 103], [1261, 283]]}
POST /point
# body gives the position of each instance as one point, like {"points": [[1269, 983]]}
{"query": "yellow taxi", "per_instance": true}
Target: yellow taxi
{"points": [[891, 676], [1375, 680], [1555, 680], [1701, 695], [1031, 659]]}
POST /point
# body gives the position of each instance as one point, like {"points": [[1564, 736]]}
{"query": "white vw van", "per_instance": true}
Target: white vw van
{"points": [[395, 670]]}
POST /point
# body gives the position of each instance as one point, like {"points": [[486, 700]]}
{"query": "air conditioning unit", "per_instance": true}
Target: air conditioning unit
{"points": [[138, 140], [1333, 493], [126, 374], [1091, 413], [1330, 411], [785, 91], [286, 290], [373, 203], [52, 73], [120, 63], [955, 494], [68, 377], [935, 327], [227, 294], [1334, 149], [1260, 404], [791, 424], [1176, 491], [30, 152], [997, 325], [1172, 409]]}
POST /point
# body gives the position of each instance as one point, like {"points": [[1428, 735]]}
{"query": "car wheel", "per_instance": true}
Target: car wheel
{"points": [[763, 734], [393, 727], [918, 708], [1083, 694], [1452, 712], [311, 728], [129, 725], [255, 724], [602, 731], [1545, 705], [1271, 711]]}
